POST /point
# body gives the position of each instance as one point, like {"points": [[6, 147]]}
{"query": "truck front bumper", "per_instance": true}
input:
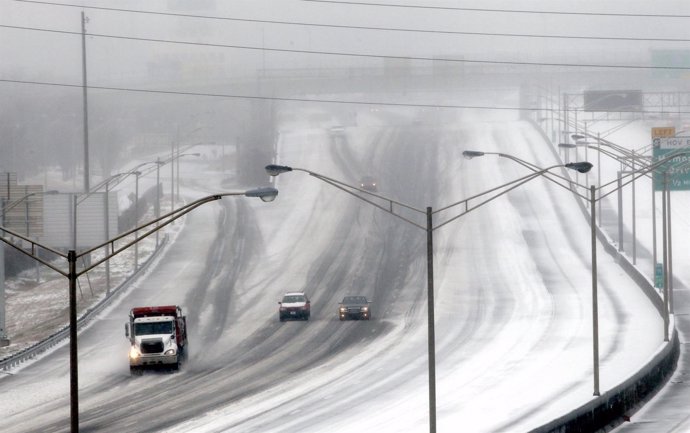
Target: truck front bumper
{"points": [[152, 359]]}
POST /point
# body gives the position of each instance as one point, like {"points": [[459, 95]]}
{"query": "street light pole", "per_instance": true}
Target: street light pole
{"points": [[431, 340], [599, 171], [136, 219], [107, 236], [581, 167], [4, 340], [73, 354], [265, 194], [172, 177], [664, 247], [85, 101], [158, 192], [669, 235], [595, 295]]}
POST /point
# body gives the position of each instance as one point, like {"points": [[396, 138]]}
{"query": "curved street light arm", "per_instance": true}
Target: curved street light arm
{"points": [[625, 159], [17, 202], [641, 172], [604, 142], [170, 216], [118, 178], [547, 175], [176, 156], [34, 246], [344, 185], [635, 153], [154, 166], [105, 182], [506, 188], [275, 170], [167, 219], [388, 210], [469, 154], [72, 275]]}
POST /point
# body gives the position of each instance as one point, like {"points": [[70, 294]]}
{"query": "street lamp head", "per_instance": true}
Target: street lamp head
{"points": [[275, 170], [581, 167], [567, 145], [577, 136], [266, 194], [469, 154]]}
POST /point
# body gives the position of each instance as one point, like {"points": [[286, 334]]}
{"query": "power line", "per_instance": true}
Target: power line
{"points": [[369, 28], [357, 55], [308, 100], [512, 11]]}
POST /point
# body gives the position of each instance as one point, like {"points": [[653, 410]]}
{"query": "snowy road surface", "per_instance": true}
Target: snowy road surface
{"points": [[513, 306]]}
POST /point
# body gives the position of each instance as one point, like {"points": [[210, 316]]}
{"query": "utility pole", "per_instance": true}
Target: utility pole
{"points": [[84, 20], [4, 340], [172, 170]]}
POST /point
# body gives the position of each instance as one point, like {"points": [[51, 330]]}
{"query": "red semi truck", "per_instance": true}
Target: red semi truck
{"points": [[158, 337]]}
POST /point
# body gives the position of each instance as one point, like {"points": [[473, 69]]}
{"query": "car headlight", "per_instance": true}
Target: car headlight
{"points": [[134, 353], [170, 352], [365, 309], [343, 310]]}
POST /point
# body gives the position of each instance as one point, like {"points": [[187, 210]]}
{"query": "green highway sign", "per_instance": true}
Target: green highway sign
{"points": [[658, 276], [678, 168]]}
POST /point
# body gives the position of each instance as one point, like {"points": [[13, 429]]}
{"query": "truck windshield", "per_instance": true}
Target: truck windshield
{"points": [[150, 328]]}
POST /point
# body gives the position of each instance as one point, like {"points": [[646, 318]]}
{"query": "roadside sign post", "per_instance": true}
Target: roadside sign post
{"points": [[658, 275]]}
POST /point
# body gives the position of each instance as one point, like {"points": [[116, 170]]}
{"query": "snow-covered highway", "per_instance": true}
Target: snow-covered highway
{"points": [[513, 304]]}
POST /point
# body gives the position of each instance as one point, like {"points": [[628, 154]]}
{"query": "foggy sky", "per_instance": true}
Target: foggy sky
{"points": [[41, 121], [34, 54]]}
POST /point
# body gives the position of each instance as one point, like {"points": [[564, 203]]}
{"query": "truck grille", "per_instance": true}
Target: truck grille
{"points": [[152, 346]]}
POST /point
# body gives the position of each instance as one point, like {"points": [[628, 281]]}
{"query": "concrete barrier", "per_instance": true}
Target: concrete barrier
{"points": [[605, 412]]}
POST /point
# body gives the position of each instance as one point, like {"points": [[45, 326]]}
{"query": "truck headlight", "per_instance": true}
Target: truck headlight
{"points": [[365, 309], [170, 352], [134, 353], [343, 310]]}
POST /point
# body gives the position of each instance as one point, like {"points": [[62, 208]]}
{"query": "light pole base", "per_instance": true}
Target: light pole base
{"points": [[4, 341]]}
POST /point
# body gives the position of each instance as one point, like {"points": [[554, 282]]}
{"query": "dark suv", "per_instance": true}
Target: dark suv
{"points": [[354, 307], [295, 305]]}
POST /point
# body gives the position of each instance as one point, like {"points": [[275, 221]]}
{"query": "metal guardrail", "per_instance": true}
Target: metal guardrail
{"points": [[56, 338]]}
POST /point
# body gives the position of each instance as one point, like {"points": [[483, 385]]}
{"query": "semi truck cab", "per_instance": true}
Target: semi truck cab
{"points": [[158, 338]]}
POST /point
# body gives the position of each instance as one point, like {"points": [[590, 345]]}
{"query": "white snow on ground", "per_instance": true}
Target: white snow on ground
{"points": [[477, 379], [539, 349]]}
